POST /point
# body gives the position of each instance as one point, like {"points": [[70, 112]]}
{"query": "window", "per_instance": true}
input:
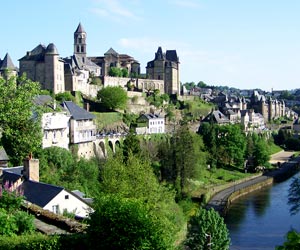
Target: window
{"points": [[78, 50], [55, 209], [46, 134], [66, 197]]}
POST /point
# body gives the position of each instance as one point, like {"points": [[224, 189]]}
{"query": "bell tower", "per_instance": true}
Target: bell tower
{"points": [[80, 43]]}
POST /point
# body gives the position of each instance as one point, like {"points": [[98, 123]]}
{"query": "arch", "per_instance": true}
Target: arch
{"points": [[117, 145], [111, 145], [102, 148]]}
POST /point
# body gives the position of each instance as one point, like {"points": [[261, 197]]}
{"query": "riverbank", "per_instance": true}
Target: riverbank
{"points": [[222, 200]]}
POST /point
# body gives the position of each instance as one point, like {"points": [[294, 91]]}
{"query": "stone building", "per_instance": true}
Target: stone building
{"points": [[7, 66], [79, 69], [112, 58], [43, 65], [269, 108], [165, 66]]}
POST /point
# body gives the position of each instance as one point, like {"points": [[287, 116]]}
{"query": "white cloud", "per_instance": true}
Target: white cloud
{"points": [[113, 9], [186, 3]]}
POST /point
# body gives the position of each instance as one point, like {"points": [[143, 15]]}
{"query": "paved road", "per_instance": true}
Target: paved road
{"points": [[218, 201]]}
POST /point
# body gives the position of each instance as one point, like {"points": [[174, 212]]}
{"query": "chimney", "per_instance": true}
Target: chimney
{"points": [[31, 169]]}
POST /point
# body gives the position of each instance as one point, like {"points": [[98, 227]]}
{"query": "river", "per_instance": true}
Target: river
{"points": [[261, 219]]}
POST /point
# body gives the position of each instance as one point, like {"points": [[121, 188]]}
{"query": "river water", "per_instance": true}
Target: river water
{"points": [[261, 219]]}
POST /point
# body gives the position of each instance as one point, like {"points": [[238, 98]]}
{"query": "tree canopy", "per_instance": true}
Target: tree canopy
{"points": [[19, 118], [113, 97]]}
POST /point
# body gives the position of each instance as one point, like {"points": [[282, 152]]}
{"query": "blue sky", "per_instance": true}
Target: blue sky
{"points": [[238, 43]]}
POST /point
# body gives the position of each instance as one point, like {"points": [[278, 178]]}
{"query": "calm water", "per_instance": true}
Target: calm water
{"points": [[261, 219]]}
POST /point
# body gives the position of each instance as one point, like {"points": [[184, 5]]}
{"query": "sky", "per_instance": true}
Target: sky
{"points": [[244, 44]]}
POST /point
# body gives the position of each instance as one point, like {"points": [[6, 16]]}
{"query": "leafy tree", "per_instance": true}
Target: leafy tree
{"points": [[124, 72], [66, 96], [59, 167], [201, 84], [120, 223], [114, 71], [19, 118], [112, 97], [292, 241], [231, 145], [131, 145], [207, 230], [134, 179], [189, 157], [12, 220]]}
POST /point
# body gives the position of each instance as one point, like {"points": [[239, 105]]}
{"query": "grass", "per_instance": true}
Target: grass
{"points": [[106, 119], [274, 148]]}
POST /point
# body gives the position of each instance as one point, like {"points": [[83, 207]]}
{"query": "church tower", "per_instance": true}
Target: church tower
{"points": [[80, 43]]}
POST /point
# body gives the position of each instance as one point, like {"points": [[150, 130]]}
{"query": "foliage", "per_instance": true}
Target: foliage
{"points": [[292, 241], [118, 72], [157, 99], [134, 179], [226, 144], [129, 118], [120, 223], [131, 145], [59, 167], [19, 118], [104, 120], [65, 96], [189, 85], [189, 158], [12, 220], [207, 230], [113, 97]]}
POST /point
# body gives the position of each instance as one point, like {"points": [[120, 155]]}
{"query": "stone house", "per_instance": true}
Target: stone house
{"points": [[56, 199], [82, 129], [43, 65]]}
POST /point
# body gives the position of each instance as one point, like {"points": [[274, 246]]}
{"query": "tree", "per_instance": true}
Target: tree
{"points": [[131, 145], [120, 223], [13, 221], [189, 157], [207, 230], [292, 241], [20, 118], [113, 97], [135, 179]]}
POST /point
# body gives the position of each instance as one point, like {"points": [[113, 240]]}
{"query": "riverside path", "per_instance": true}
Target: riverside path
{"points": [[219, 201]]}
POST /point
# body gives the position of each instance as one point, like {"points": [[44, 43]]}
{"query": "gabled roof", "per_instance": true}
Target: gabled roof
{"points": [[39, 193], [77, 112], [111, 51], [7, 63], [216, 116]]}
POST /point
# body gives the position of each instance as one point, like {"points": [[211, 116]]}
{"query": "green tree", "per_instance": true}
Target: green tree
{"points": [[13, 221], [292, 241], [66, 96], [135, 179], [231, 145], [114, 71], [20, 118], [207, 230], [112, 97], [131, 145], [189, 157], [120, 223]]}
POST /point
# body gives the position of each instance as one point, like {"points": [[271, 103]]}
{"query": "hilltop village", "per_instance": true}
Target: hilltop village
{"points": [[157, 104]]}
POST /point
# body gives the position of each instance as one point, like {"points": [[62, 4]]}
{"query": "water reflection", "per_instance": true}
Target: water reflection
{"points": [[261, 219]]}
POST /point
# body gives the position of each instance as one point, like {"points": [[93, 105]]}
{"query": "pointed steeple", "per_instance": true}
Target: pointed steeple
{"points": [[7, 63], [80, 43]]}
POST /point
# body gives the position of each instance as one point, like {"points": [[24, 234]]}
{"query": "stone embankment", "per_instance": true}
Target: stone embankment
{"points": [[222, 199]]}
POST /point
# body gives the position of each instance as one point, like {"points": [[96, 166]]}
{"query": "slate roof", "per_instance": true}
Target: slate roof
{"points": [[80, 29], [111, 51], [171, 55], [77, 112], [7, 63], [39, 193], [216, 116], [10, 177], [3, 155]]}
